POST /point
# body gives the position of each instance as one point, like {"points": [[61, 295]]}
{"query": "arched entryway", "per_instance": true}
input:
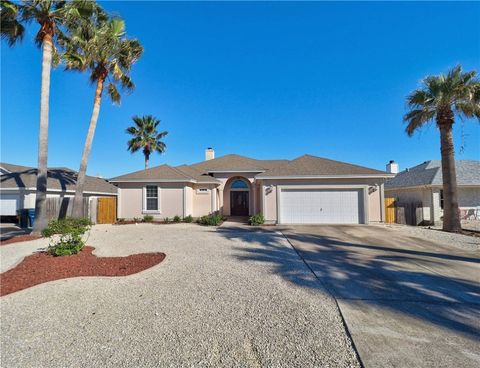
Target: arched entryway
{"points": [[239, 197]]}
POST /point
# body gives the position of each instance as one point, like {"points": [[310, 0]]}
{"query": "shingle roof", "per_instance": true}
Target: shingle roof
{"points": [[58, 178], [430, 173], [233, 162], [308, 165], [162, 172], [196, 174]]}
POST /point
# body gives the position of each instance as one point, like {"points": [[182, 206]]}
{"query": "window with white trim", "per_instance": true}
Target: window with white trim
{"points": [[441, 199], [151, 198]]}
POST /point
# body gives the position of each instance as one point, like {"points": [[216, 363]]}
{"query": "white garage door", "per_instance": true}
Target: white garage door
{"points": [[8, 204], [321, 206]]}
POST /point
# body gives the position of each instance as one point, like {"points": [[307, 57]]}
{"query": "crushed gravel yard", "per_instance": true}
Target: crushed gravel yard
{"points": [[459, 241], [222, 297]]}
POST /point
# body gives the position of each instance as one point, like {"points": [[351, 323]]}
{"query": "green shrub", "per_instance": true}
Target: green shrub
{"points": [[67, 245], [137, 219], [147, 218], [213, 219], [188, 219], [256, 220], [166, 220], [177, 218], [68, 225]]}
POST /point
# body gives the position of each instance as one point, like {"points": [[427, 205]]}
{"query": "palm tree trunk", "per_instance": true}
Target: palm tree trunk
{"points": [[147, 159], [78, 200], [41, 219], [451, 218]]}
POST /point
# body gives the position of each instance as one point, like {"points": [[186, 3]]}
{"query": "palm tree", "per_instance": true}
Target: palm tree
{"points": [[52, 16], [102, 48], [146, 136], [442, 98]]}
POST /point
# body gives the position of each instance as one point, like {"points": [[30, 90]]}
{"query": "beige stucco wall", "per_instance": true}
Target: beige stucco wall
{"points": [[130, 203], [375, 212], [202, 202]]}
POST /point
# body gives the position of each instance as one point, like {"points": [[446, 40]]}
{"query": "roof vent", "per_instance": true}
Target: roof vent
{"points": [[209, 154]]}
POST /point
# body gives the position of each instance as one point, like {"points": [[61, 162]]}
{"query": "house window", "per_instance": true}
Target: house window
{"points": [[151, 198], [441, 199], [239, 184]]}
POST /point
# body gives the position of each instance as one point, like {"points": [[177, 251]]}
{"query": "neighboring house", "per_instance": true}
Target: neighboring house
{"points": [[18, 187], [423, 184], [306, 190]]}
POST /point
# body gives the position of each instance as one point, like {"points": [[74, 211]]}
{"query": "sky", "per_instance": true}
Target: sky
{"points": [[268, 80]]}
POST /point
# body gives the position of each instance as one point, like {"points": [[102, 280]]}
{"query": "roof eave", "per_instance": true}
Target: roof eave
{"points": [[361, 176]]}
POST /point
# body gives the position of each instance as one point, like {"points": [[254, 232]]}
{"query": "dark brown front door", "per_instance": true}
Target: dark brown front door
{"points": [[239, 203]]}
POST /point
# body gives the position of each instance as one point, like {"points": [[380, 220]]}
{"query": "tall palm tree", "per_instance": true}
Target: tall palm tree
{"points": [[51, 15], [146, 136], [442, 98], [103, 48]]}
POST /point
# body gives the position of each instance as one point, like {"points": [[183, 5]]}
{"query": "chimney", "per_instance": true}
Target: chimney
{"points": [[209, 154], [392, 167]]}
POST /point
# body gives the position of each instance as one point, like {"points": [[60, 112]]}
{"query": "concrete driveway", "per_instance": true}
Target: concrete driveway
{"points": [[407, 301]]}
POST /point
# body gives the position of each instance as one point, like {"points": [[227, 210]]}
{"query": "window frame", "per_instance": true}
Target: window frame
{"points": [[441, 199], [144, 207]]}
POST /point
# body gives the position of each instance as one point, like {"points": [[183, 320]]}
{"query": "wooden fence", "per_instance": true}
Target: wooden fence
{"points": [[61, 207], [101, 210], [389, 210], [107, 210]]}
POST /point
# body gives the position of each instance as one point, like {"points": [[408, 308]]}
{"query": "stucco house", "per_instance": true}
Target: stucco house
{"points": [[306, 190], [18, 187], [423, 184]]}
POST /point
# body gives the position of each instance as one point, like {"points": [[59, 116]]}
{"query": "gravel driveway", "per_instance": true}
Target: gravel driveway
{"points": [[232, 297]]}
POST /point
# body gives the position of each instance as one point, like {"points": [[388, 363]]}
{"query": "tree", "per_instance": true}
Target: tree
{"points": [[146, 136], [103, 48], [51, 15], [442, 98]]}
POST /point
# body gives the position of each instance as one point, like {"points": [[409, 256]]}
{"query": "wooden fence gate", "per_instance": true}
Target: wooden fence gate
{"points": [[390, 210], [107, 210]]}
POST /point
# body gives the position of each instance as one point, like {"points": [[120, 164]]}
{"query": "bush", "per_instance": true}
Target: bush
{"points": [[68, 245], [256, 220], [68, 225], [177, 218], [213, 219], [137, 219], [121, 220], [147, 218], [166, 220], [188, 219]]}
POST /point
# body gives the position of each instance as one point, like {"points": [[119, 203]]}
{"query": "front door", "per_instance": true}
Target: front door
{"points": [[239, 203]]}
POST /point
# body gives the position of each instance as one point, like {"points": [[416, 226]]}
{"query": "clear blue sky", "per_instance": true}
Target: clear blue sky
{"points": [[265, 80]]}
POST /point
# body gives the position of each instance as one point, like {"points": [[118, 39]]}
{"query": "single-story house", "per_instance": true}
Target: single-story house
{"points": [[306, 190], [18, 187], [423, 184]]}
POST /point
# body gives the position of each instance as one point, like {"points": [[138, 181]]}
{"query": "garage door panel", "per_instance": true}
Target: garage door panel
{"points": [[8, 204], [321, 206]]}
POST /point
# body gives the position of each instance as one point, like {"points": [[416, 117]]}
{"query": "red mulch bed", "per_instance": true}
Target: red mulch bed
{"points": [[20, 238], [43, 267]]}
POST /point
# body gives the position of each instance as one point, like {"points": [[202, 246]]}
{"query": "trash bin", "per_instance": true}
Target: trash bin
{"points": [[22, 218], [31, 217]]}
